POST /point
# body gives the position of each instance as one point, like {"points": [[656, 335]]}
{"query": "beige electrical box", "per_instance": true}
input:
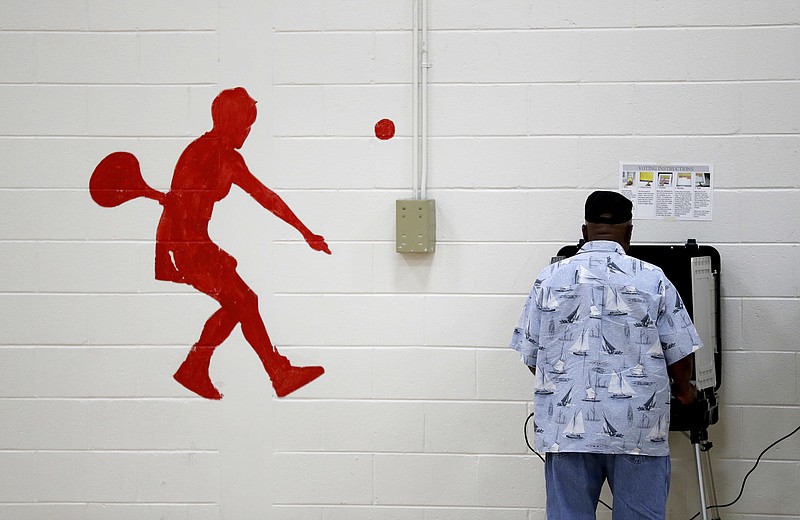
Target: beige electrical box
{"points": [[416, 226]]}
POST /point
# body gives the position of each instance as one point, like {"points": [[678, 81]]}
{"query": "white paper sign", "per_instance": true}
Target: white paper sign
{"points": [[668, 191]]}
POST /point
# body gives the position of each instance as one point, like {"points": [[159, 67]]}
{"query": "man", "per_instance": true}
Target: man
{"points": [[603, 333]]}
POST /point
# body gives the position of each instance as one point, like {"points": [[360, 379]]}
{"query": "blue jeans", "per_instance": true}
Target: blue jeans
{"points": [[639, 484]]}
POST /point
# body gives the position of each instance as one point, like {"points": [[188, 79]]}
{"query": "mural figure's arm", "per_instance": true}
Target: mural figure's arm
{"points": [[272, 202]]}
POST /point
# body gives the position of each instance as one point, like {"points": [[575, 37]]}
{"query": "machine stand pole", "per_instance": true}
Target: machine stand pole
{"points": [[701, 444], [703, 510]]}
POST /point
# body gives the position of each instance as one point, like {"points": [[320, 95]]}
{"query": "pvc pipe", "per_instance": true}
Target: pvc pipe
{"points": [[415, 174], [424, 87]]}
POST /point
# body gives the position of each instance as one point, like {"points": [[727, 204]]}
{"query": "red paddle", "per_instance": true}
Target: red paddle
{"points": [[118, 179]]}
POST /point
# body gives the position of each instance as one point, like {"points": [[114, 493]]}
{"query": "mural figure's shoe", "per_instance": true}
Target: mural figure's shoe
{"points": [[287, 378], [193, 374]]}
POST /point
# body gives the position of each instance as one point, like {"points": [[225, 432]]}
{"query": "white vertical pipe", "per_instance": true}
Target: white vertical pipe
{"points": [[424, 101], [415, 168]]}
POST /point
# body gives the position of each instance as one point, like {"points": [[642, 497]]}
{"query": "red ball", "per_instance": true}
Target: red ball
{"points": [[384, 129]]}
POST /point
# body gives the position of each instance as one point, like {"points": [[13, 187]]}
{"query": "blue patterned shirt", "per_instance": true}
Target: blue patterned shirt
{"points": [[601, 328]]}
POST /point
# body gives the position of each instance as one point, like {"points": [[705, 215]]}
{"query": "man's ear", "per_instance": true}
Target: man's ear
{"points": [[585, 233]]}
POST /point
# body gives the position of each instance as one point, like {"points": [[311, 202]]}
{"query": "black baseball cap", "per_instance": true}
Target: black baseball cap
{"points": [[608, 207]]}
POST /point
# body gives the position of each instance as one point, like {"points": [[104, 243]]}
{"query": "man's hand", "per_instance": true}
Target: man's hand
{"points": [[317, 243]]}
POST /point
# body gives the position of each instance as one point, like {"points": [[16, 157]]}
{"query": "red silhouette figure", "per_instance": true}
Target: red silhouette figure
{"points": [[185, 253]]}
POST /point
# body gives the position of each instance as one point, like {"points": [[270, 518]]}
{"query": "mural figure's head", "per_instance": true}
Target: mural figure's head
{"points": [[233, 112]]}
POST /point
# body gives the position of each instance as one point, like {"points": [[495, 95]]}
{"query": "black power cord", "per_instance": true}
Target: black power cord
{"points": [[744, 481], [525, 431], [714, 506]]}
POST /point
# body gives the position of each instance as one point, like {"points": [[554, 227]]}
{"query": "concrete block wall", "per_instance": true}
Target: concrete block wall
{"points": [[93, 427], [420, 413]]}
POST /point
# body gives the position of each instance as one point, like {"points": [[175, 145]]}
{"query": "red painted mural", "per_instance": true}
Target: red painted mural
{"points": [[184, 252]]}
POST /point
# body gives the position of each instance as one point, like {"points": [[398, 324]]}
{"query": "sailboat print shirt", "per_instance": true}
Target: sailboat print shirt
{"points": [[601, 328]]}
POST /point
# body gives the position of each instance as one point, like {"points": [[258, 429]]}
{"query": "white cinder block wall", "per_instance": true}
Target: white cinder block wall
{"points": [[419, 417]]}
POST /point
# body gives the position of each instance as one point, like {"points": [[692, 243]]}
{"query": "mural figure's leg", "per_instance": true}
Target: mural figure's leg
{"points": [[239, 305], [285, 377], [193, 372]]}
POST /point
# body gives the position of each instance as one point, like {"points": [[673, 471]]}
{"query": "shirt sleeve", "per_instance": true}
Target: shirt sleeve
{"points": [[526, 334], [677, 333]]}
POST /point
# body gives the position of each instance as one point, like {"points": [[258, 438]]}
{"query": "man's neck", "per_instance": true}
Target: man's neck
{"points": [[604, 244]]}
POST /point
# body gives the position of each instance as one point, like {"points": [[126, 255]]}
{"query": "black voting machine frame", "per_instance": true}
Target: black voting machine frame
{"points": [[676, 262]]}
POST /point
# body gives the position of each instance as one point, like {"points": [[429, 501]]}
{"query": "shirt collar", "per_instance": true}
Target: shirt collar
{"points": [[602, 245]]}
